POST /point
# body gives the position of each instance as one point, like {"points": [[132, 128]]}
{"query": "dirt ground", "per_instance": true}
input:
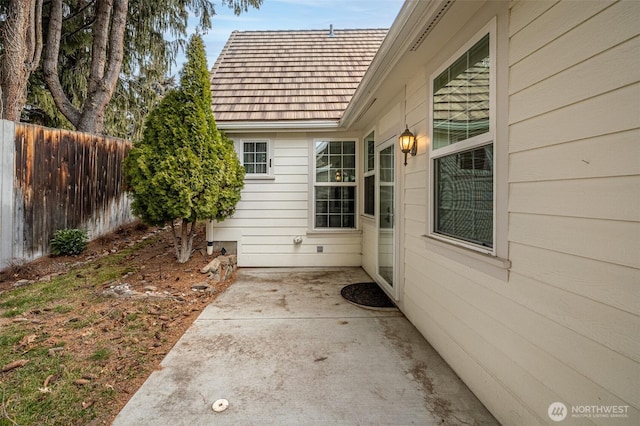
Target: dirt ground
{"points": [[163, 320]]}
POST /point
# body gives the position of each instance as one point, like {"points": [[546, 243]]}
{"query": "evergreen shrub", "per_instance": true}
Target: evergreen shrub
{"points": [[69, 242]]}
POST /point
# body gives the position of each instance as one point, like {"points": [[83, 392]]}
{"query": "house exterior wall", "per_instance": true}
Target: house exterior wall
{"points": [[275, 209], [555, 316]]}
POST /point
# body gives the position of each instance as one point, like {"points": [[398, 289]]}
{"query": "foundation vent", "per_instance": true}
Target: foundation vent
{"points": [[432, 23]]}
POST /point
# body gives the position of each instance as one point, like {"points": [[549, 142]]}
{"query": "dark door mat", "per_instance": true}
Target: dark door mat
{"points": [[367, 295]]}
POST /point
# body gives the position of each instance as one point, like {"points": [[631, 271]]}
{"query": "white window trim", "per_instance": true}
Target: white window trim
{"points": [[239, 146], [313, 231], [476, 141]]}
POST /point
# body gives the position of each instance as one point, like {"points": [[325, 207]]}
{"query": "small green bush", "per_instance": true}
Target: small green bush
{"points": [[69, 242]]}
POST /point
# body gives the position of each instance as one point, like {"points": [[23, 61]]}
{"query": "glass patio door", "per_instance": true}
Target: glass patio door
{"points": [[386, 214]]}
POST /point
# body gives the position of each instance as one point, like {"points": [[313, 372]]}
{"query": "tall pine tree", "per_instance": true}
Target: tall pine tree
{"points": [[184, 170], [93, 65]]}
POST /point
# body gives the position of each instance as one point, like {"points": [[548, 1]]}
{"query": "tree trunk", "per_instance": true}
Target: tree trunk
{"points": [[21, 38], [50, 64], [184, 243], [106, 61]]}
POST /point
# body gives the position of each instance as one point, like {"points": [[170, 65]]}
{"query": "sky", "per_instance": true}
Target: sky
{"points": [[296, 15]]}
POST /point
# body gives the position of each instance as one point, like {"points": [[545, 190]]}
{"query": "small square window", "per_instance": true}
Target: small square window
{"points": [[255, 157]]}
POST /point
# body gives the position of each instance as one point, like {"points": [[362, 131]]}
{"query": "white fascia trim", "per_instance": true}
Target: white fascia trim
{"points": [[410, 22], [257, 126], [388, 54]]}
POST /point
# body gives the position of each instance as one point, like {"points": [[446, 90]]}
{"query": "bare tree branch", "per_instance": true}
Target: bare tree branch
{"points": [[79, 12], [79, 29]]}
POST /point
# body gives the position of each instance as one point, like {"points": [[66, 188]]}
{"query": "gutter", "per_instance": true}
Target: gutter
{"points": [[291, 126]]}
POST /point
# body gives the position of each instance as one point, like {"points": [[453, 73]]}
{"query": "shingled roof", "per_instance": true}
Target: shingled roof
{"points": [[290, 75]]}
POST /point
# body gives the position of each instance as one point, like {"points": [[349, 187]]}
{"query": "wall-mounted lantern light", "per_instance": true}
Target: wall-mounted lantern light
{"points": [[408, 144]]}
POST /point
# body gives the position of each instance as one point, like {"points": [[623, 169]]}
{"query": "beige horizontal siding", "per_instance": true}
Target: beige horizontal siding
{"points": [[601, 198], [482, 381], [563, 326], [587, 79], [272, 212], [579, 159], [548, 26], [307, 260], [574, 47], [513, 335], [573, 201], [603, 240], [606, 283], [613, 112], [275, 205], [468, 328], [523, 11], [331, 248], [278, 197], [260, 187]]}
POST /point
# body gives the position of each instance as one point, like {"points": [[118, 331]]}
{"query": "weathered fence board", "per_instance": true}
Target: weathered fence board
{"points": [[62, 179], [7, 151]]}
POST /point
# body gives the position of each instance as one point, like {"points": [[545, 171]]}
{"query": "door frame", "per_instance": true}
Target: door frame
{"points": [[391, 290]]}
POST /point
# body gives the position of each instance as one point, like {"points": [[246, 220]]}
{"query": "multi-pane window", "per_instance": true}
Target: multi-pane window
{"points": [[464, 195], [387, 180], [335, 184], [462, 149], [369, 175], [255, 157]]}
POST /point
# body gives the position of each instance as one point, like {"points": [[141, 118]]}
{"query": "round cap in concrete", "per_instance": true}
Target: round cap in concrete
{"points": [[220, 405]]}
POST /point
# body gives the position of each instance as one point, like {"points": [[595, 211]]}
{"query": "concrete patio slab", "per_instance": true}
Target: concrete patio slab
{"points": [[284, 348]]}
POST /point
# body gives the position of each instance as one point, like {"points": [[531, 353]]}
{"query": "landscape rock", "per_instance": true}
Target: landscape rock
{"points": [[200, 287], [21, 283], [221, 268], [53, 351], [125, 291], [155, 295], [48, 278], [212, 266]]}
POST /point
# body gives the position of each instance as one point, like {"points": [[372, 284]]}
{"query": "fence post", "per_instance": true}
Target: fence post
{"points": [[7, 176]]}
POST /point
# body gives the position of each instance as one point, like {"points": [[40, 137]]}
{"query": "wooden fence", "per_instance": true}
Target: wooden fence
{"points": [[53, 179]]}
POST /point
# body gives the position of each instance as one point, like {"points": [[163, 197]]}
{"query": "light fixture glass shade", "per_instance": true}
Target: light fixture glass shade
{"points": [[407, 141]]}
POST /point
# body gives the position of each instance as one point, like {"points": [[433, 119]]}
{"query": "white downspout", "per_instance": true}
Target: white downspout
{"points": [[209, 234]]}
